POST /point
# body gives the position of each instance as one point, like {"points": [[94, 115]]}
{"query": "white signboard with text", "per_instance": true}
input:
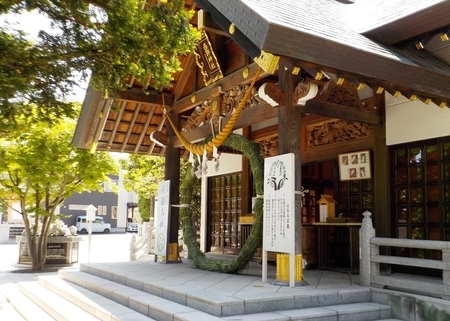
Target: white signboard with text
{"points": [[279, 200], [162, 218]]}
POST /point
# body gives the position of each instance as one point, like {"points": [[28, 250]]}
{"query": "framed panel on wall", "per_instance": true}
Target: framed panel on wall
{"points": [[355, 166]]}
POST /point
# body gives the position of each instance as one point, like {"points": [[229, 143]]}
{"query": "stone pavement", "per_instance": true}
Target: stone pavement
{"points": [[247, 283]]}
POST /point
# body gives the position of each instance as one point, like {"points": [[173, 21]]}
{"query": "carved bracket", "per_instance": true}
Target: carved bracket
{"points": [[211, 110], [274, 96]]}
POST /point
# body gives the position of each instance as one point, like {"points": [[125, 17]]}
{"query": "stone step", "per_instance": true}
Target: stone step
{"points": [[312, 306], [222, 305], [93, 303], [7, 311], [57, 307], [146, 304], [366, 311], [19, 307]]}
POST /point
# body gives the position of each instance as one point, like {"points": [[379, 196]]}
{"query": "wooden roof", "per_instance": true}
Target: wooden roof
{"points": [[319, 37]]}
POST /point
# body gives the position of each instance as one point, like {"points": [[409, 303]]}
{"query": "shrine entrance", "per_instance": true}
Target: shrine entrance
{"points": [[223, 214]]}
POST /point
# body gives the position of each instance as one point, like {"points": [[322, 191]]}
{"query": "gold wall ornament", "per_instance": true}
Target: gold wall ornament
{"points": [[193, 99], [245, 73], [232, 29], [268, 62], [296, 70]]}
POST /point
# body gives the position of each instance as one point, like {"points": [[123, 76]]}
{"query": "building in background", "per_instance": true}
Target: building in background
{"points": [[114, 207]]}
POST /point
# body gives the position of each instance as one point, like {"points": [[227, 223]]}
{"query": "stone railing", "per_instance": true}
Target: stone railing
{"points": [[370, 260], [146, 242]]}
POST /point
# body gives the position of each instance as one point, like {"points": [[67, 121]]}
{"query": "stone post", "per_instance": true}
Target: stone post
{"points": [[446, 272], [365, 234], [133, 248], [150, 236]]}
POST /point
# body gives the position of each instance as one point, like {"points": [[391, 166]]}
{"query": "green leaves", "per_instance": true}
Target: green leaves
{"points": [[143, 173], [110, 39], [41, 166]]}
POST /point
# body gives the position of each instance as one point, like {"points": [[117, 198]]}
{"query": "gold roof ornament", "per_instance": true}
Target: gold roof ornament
{"points": [[268, 62]]}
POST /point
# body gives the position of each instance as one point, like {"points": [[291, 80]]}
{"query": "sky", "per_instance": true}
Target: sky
{"points": [[31, 23]]}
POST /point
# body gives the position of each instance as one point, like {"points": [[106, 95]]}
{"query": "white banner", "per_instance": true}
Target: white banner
{"points": [[279, 198], [162, 218]]}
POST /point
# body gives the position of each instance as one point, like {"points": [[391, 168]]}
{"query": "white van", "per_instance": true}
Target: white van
{"points": [[132, 226], [98, 226]]}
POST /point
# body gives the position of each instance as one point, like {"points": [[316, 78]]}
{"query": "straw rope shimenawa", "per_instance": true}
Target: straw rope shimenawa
{"points": [[216, 141], [249, 149], [252, 151]]}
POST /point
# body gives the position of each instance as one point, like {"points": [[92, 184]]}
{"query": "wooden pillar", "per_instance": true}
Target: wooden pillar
{"points": [[172, 173], [289, 129], [381, 212]]}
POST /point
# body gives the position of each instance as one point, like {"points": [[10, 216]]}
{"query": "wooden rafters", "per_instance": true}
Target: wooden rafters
{"points": [[130, 127], [144, 129], [117, 123]]}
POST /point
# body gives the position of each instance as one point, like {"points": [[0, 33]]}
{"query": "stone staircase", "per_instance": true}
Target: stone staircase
{"points": [[96, 294]]}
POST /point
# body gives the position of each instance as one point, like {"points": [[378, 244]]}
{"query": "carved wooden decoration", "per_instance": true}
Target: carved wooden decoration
{"points": [[336, 131], [269, 147], [345, 94], [207, 112]]}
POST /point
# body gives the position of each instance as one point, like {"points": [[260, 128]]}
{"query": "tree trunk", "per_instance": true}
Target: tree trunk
{"points": [[37, 246]]}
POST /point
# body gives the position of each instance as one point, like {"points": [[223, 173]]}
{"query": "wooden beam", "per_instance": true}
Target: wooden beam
{"points": [[328, 152], [149, 97], [247, 117], [226, 83], [205, 22], [339, 111], [414, 26], [188, 65], [224, 23]]}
